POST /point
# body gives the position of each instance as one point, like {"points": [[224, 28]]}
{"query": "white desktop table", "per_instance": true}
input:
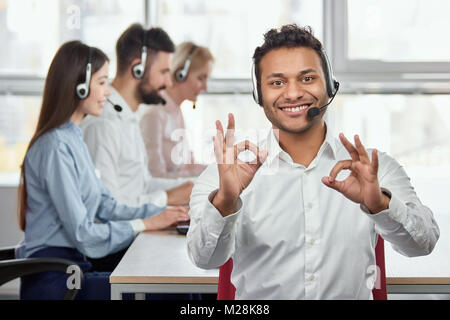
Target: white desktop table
{"points": [[418, 275], [158, 262]]}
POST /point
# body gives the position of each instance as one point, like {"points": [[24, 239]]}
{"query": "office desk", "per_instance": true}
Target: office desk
{"points": [[428, 274], [157, 262]]}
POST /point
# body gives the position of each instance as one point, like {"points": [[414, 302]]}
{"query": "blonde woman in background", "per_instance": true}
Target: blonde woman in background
{"points": [[162, 124]]}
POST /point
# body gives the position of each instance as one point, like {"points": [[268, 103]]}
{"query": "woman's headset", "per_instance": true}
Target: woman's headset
{"points": [[182, 73], [83, 88], [138, 70], [330, 81]]}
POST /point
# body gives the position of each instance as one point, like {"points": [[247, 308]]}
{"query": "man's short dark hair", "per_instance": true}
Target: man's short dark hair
{"points": [[289, 36], [129, 45]]}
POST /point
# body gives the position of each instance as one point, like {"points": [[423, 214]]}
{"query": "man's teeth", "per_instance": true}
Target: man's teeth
{"points": [[296, 108]]}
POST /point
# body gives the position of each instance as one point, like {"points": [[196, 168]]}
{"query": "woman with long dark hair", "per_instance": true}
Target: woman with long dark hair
{"points": [[64, 208]]}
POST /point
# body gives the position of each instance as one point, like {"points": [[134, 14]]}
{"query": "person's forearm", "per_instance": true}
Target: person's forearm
{"points": [[225, 205]]}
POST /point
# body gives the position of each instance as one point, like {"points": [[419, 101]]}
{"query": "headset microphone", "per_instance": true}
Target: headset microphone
{"points": [[314, 112], [116, 106], [193, 105]]}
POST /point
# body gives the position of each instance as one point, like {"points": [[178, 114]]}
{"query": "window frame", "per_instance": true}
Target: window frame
{"points": [[355, 76], [375, 76]]}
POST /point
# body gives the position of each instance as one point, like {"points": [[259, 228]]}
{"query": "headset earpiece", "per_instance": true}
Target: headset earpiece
{"points": [[182, 73], [83, 88], [139, 69]]}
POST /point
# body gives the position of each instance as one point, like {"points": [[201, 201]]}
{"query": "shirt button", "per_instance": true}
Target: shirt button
{"points": [[310, 205], [312, 242], [311, 277]]}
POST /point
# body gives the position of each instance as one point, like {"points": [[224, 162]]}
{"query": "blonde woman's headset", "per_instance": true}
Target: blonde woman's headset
{"points": [[182, 73]]}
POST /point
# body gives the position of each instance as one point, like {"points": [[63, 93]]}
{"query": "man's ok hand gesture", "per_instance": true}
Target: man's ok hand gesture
{"points": [[361, 186], [234, 174]]}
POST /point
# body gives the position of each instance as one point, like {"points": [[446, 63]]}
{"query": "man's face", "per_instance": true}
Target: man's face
{"points": [[292, 81], [156, 78]]}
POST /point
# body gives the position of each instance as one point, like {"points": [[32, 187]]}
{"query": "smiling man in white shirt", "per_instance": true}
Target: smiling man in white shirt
{"points": [[294, 231], [114, 139]]}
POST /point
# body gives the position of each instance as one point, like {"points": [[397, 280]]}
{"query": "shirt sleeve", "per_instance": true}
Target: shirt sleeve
{"points": [[62, 182], [103, 143], [211, 237], [110, 209], [407, 224], [152, 127], [137, 225]]}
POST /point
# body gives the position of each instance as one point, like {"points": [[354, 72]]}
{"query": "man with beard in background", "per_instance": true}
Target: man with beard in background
{"points": [[114, 139]]}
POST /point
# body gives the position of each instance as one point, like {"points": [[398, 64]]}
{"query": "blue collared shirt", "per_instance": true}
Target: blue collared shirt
{"points": [[67, 205]]}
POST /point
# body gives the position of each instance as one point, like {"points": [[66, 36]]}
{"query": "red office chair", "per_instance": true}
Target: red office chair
{"points": [[381, 292], [226, 290]]}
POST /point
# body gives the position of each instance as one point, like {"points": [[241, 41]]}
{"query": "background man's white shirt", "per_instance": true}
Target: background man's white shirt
{"points": [[117, 149]]}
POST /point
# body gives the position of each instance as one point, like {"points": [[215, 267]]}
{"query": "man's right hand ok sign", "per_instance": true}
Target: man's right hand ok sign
{"points": [[234, 174]]}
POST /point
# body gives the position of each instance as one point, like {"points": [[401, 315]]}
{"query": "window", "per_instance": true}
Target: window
{"points": [[376, 30], [233, 29], [31, 31], [391, 40], [18, 118]]}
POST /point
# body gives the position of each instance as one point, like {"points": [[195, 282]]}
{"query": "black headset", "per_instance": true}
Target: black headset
{"points": [[138, 70], [182, 73], [83, 88], [331, 84]]}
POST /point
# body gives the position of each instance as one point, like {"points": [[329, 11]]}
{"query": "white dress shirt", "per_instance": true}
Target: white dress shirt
{"points": [[115, 144], [295, 238]]}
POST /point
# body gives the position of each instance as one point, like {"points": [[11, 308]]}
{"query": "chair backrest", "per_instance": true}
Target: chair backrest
{"points": [[226, 290], [379, 292], [12, 268]]}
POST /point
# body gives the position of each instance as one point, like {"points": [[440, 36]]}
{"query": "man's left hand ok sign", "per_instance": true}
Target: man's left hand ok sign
{"points": [[361, 186]]}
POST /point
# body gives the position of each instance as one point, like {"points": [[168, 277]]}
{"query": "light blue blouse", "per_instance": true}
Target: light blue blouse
{"points": [[68, 206]]}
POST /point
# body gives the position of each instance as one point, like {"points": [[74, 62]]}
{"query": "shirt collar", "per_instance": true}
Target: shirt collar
{"points": [[274, 149], [170, 106], [72, 127], [117, 99]]}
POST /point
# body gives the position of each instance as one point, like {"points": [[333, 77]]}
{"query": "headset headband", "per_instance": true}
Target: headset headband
{"points": [[138, 70]]}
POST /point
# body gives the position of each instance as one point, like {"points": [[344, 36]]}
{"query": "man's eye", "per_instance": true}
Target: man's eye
{"points": [[308, 79], [277, 83]]}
